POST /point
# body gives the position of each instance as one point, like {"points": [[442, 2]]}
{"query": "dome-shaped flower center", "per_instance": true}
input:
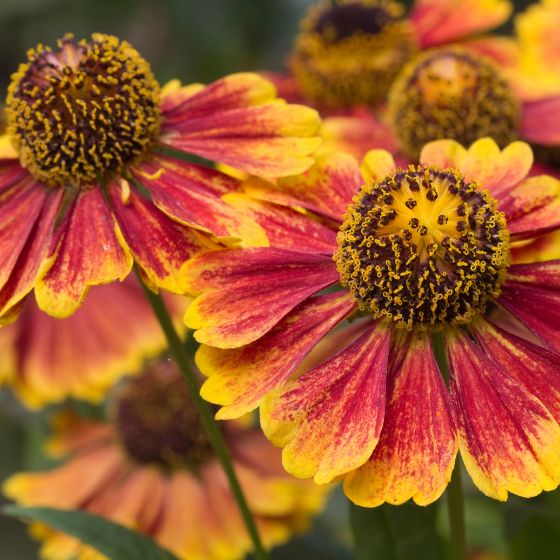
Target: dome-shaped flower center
{"points": [[157, 422], [423, 248], [82, 110], [450, 93], [349, 51]]}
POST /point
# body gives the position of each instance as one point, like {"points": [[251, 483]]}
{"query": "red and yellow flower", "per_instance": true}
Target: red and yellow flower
{"points": [[151, 468], [46, 360], [91, 175], [422, 255], [349, 51]]}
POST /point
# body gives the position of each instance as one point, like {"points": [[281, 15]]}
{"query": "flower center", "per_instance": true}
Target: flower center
{"points": [[423, 248], [157, 422], [450, 93], [349, 52], [81, 111]]}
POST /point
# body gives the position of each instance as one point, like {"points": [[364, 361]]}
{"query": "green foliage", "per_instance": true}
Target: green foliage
{"points": [[112, 540], [396, 533]]}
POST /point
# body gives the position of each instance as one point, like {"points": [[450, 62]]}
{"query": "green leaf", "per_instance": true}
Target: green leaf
{"points": [[114, 541], [395, 533]]}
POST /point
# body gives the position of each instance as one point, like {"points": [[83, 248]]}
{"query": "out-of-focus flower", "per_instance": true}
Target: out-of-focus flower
{"points": [[152, 468], [537, 78], [421, 255], [46, 360], [349, 51], [91, 175]]}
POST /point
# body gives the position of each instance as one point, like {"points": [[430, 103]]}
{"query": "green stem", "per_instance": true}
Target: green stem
{"points": [[455, 496], [214, 434]]}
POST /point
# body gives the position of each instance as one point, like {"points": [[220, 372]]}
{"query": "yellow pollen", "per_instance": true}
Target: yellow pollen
{"points": [[451, 93], [83, 110], [349, 52], [423, 248]]}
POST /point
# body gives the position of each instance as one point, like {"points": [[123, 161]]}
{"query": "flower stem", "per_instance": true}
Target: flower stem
{"points": [[214, 435], [455, 496]]}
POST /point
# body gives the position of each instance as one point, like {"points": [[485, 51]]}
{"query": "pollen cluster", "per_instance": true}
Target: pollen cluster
{"points": [[157, 422], [83, 110], [349, 52], [450, 93], [423, 248]]}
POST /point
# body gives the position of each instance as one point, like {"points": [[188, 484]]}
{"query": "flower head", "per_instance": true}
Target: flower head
{"points": [[420, 253], [349, 51], [451, 93], [90, 177], [151, 467]]}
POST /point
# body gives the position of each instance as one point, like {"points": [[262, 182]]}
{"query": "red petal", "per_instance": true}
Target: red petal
{"points": [[416, 451], [329, 419], [241, 377]]}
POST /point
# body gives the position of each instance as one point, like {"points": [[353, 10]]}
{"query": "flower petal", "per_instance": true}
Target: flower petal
{"points": [[239, 378], [286, 228], [377, 165], [494, 169], [87, 250], [443, 153], [327, 188], [534, 367], [260, 287], [20, 208], [237, 121], [532, 207], [416, 451], [509, 441], [540, 120], [442, 21], [329, 419], [191, 193], [159, 245], [24, 274], [532, 293]]}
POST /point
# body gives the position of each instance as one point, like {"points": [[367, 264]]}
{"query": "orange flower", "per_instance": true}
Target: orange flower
{"points": [[151, 468], [46, 360], [91, 177], [398, 261]]}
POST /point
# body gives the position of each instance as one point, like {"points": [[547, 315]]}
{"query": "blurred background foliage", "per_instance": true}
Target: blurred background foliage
{"points": [[201, 40]]}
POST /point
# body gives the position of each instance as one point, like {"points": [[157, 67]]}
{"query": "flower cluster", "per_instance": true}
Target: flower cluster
{"points": [[383, 285]]}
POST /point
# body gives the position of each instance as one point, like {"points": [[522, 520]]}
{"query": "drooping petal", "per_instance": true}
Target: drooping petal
{"points": [[442, 21], [24, 274], [286, 228], [260, 287], [159, 245], [191, 193], [237, 121], [532, 207], [532, 293], [540, 120], [20, 208], [416, 451], [329, 419], [508, 439], [533, 366], [87, 250], [326, 188], [239, 378]]}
